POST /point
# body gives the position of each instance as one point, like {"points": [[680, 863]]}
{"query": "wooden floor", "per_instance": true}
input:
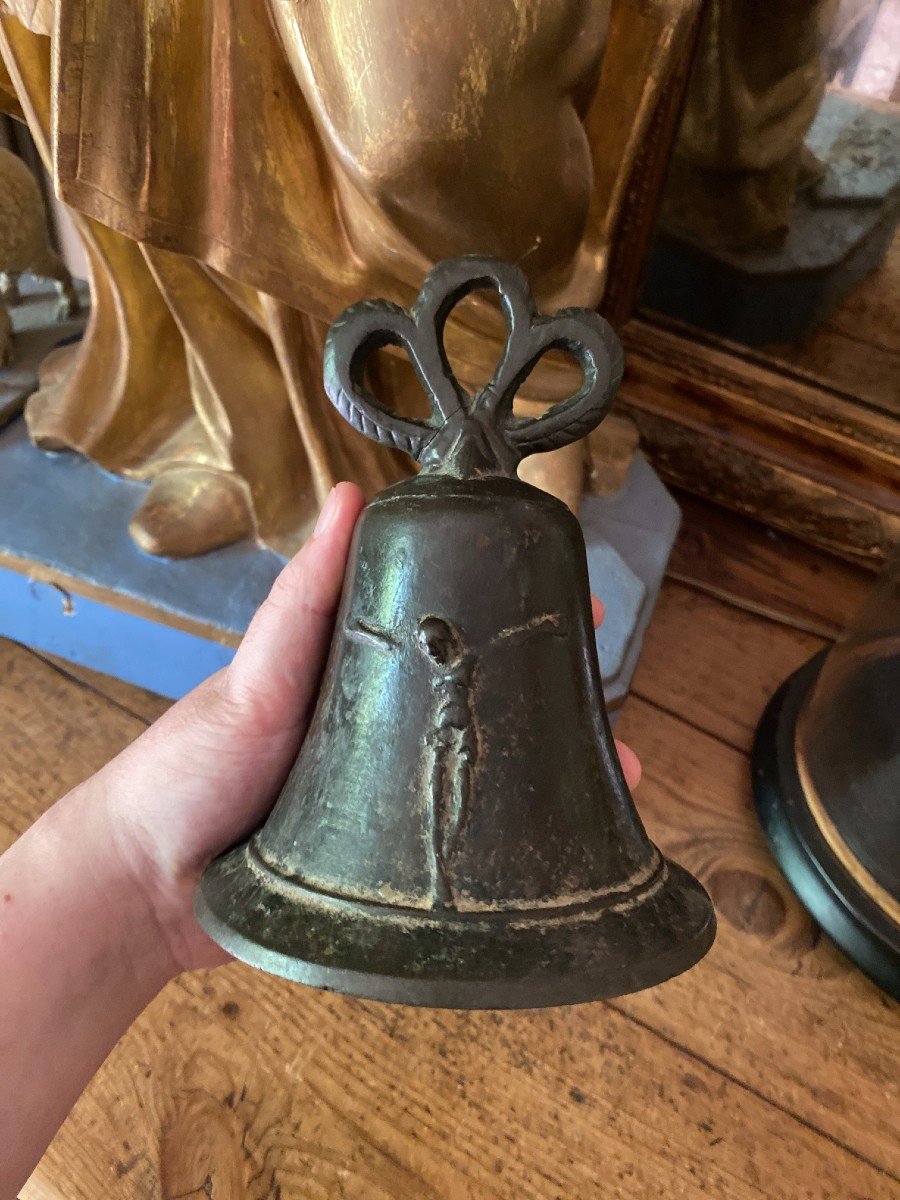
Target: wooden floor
{"points": [[769, 1070]]}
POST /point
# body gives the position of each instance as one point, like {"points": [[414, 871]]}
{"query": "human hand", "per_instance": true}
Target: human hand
{"points": [[206, 774], [97, 910]]}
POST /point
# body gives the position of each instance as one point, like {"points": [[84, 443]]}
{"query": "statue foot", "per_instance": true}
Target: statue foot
{"points": [[189, 510]]}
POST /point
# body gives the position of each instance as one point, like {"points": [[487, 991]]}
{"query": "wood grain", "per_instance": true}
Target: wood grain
{"points": [[767, 1071], [715, 666], [724, 423], [147, 706], [53, 733], [778, 1006], [761, 570], [235, 1085]]}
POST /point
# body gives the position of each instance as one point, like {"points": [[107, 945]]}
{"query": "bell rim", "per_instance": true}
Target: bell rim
{"points": [[830, 893], [602, 951]]}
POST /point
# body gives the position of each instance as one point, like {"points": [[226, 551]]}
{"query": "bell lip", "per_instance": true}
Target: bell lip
{"points": [[596, 956]]}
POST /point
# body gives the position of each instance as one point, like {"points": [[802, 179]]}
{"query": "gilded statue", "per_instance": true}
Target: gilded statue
{"points": [[757, 82], [25, 244], [240, 172]]}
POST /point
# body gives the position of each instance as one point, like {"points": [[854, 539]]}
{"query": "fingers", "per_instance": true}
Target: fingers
{"points": [[207, 771], [631, 764], [597, 611], [275, 673]]}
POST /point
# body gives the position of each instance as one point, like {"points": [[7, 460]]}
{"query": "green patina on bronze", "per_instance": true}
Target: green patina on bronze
{"points": [[456, 830]]}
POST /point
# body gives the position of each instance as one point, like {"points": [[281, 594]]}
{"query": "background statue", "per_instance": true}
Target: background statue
{"points": [[757, 82], [240, 172], [783, 192], [25, 243]]}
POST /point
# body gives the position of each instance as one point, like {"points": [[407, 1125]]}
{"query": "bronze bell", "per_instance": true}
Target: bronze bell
{"points": [[457, 830]]}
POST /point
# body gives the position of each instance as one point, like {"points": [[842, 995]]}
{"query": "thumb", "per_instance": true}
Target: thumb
{"points": [[207, 771], [275, 674]]}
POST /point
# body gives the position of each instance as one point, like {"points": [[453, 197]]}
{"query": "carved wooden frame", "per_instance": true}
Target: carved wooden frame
{"points": [[727, 424]]}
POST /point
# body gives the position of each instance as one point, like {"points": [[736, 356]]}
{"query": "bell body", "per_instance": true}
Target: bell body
{"points": [[456, 830]]}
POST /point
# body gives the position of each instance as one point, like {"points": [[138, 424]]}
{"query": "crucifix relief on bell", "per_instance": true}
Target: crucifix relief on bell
{"points": [[456, 830]]}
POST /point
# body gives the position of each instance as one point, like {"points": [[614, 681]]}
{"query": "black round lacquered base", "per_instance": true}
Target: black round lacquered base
{"points": [[532, 959], [844, 909]]}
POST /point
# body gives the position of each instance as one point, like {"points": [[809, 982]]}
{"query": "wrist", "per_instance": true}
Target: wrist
{"points": [[80, 849], [161, 883], [80, 958]]}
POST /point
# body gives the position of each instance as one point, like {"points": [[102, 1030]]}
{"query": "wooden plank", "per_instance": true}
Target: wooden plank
{"points": [[148, 706], [765, 571], [53, 732], [260, 1085], [236, 1085], [775, 1004], [871, 311], [722, 423], [713, 665]]}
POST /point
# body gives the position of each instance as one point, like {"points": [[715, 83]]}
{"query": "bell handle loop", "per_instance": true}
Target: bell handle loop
{"points": [[590, 340], [451, 282], [357, 333], [369, 325], [580, 332]]}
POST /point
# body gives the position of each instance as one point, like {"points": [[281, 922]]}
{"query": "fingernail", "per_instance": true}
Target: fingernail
{"points": [[326, 515]]}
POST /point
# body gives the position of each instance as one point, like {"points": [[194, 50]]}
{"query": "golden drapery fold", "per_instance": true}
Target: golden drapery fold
{"points": [[177, 372], [224, 230]]}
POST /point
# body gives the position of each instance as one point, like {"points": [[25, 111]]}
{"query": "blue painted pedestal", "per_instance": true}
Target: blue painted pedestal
{"points": [[73, 583]]}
